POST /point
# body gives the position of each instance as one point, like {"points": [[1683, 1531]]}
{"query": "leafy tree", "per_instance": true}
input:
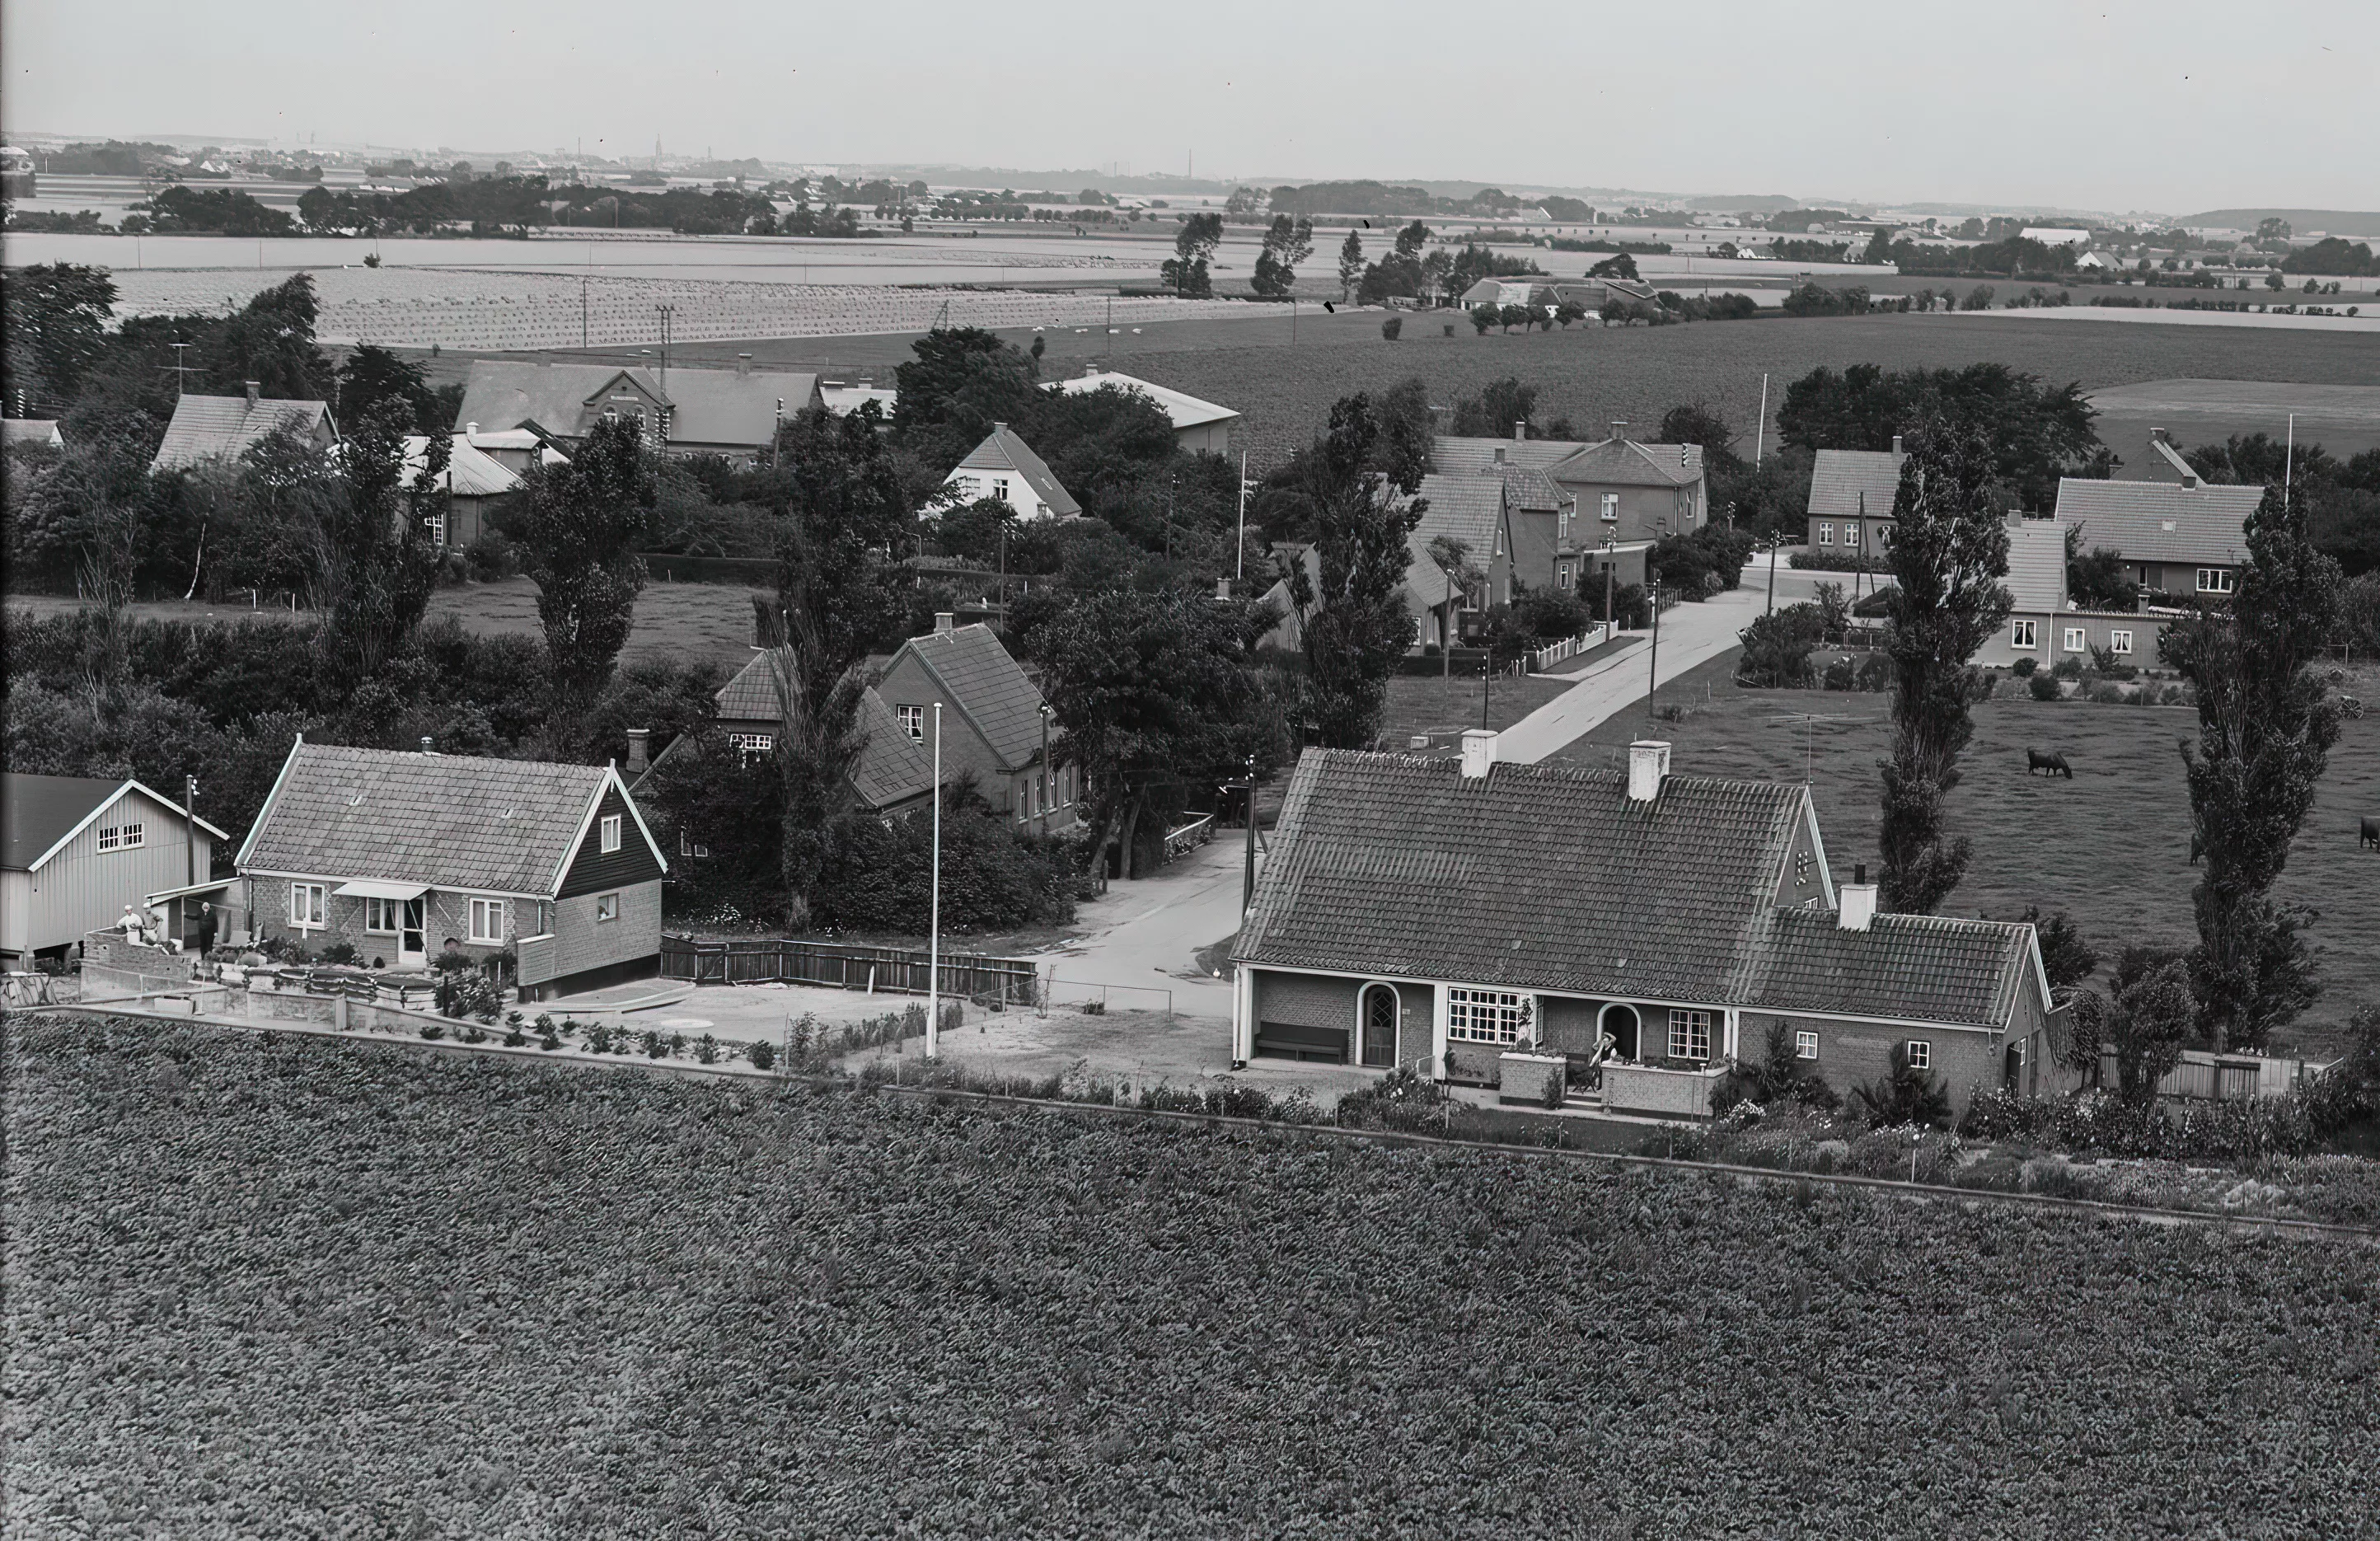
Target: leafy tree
{"points": [[1350, 264], [2066, 957], [271, 340], [580, 525], [2036, 433], [1194, 247], [707, 794], [1499, 405], [56, 325], [1484, 316], [1354, 621], [1412, 239], [1620, 265], [1949, 550], [1452, 556], [2098, 581], [1777, 646], [372, 375], [1286, 243], [957, 384], [2265, 727], [1511, 316], [2145, 1015], [371, 561]]}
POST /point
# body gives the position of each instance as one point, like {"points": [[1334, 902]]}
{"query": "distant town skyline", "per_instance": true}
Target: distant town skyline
{"points": [[2115, 109]]}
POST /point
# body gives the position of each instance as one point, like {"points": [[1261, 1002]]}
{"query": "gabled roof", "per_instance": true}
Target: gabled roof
{"points": [[1903, 968], [30, 431], [1853, 484], [1534, 877], [1002, 450], [2037, 574], [1463, 456], [1187, 410], [990, 689], [222, 428], [1467, 507], [2157, 521], [734, 407], [1626, 462], [501, 394], [450, 821], [1526, 487], [751, 695], [892, 767], [2164, 460], [38, 814], [1426, 581], [470, 472], [731, 407]]}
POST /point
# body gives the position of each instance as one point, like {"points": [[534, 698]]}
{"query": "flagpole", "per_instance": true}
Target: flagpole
{"points": [[934, 938]]}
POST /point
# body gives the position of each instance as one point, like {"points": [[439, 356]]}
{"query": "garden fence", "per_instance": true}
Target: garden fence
{"points": [[900, 970], [1567, 648], [1182, 842]]}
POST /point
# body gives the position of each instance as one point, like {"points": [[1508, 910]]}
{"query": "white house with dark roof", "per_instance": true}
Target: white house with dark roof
{"points": [[402, 854], [1004, 468], [1197, 425], [1440, 914], [76, 851], [219, 429], [1852, 494], [693, 411]]}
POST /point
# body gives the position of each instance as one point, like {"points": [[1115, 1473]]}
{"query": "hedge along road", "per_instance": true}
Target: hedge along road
{"points": [[1692, 634]]}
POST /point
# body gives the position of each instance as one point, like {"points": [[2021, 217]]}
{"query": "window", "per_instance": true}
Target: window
{"points": [[488, 920], [380, 915], [751, 748], [119, 837], [2120, 641], [1000, 488], [2021, 634], [1851, 534], [436, 525], [2075, 639], [1484, 1015], [1561, 576], [1826, 533], [1921, 1054], [607, 907], [1689, 1034], [2214, 580], [307, 903], [1806, 1044], [1611, 508], [967, 487], [611, 836], [912, 721]]}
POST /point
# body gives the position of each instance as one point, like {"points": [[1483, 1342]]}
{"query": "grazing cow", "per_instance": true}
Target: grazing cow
{"points": [[2198, 848], [2055, 763], [2371, 835]]}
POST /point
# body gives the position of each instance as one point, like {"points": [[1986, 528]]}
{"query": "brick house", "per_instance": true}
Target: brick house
{"points": [[993, 723], [1436, 912], [1852, 494], [689, 411], [402, 853], [2180, 539], [1581, 508]]}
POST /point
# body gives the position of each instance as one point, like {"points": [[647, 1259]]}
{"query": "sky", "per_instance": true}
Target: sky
{"points": [[2170, 107]]}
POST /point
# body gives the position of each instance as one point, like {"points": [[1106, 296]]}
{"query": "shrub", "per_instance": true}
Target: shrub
{"points": [[1392, 328], [340, 953], [1484, 316], [764, 1055], [514, 1036], [432, 1030], [1841, 675], [491, 557], [2022, 668], [1905, 1095], [2068, 669], [468, 993], [2043, 688], [1875, 672], [706, 1050], [1777, 646], [1703, 562], [2107, 693], [1837, 562], [598, 1038]]}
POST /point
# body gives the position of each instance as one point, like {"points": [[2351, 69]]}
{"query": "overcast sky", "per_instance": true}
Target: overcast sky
{"points": [[2172, 106]]}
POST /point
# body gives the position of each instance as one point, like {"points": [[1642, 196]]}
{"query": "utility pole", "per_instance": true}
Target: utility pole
{"points": [[934, 936], [1760, 430], [1610, 580], [1772, 574], [1486, 672], [1047, 711], [1240, 570], [1248, 874], [1653, 668]]}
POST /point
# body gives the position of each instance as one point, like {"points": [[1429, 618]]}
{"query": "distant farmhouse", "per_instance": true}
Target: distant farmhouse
{"points": [[219, 429], [1197, 425], [1004, 468], [1852, 492], [688, 412]]}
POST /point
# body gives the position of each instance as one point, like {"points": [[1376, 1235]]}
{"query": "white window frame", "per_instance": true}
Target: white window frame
{"points": [[1805, 1043], [2078, 640], [1000, 488], [2119, 642], [1611, 509], [1920, 1053], [1851, 533], [381, 917], [750, 746], [2217, 580], [486, 926], [608, 833], [2024, 636], [1562, 577], [1689, 1027], [912, 721], [607, 908], [436, 525], [1825, 532], [309, 907], [1484, 1015]]}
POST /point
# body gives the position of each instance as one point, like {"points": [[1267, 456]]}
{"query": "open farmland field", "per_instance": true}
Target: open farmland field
{"points": [[2111, 846], [266, 1287]]}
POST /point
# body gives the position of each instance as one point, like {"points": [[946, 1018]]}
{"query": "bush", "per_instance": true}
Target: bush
{"points": [[1484, 316], [879, 876], [1392, 328], [1837, 562], [2107, 693], [491, 557], [2043, 688], [1905, 1095], [2068, 669], [1841, 675], [1875, 672], [340, 953], [1776, 648], [1704, 561], [468, 992], [764, 1055], [2022, 668]]}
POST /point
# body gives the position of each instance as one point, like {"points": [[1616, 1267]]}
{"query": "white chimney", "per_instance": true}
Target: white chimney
{"points": [[1478, 753], [252, 390], [1856, 901], [944, 621], [1521, 430], [1648, 763], [1223, 589], [470, 431], [1896, 443]]}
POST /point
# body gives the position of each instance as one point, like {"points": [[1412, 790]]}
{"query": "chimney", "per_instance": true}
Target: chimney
{"points": [[1616, 424], [470, 431], [1521, 430], [1856, 900], [999, 428], [1896, 443], [1089, 370], [428, 747], [1478, 753], [942, 622], [1649, 764], [743, 364], [2159, 436], [637, 757], [252, 392]]}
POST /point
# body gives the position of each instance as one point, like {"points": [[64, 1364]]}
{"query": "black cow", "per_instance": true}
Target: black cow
{"points": [[2371, 835], [2197, 849], [2054, 763]]}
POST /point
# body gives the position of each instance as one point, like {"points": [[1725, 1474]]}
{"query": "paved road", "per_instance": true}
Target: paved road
{"points": [[1144, 934], [1692, 634]]}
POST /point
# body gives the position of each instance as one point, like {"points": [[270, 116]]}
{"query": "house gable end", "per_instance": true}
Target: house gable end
{"points": [[591, 868]]}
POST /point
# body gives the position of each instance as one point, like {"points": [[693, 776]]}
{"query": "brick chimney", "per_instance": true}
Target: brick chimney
{"points": [[943, 622], [1648, 766], [638, 755], [1521, 430], [1896, 443], [1478, 753], [253, 392], [1856, 901], [428, 746]]}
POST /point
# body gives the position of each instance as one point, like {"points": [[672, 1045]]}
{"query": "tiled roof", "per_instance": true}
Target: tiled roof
{"points": [[1002, 450], [893, 767], [2037, 574], [997, 696], [500, 394], [2158, 521], [1850, 484], [37, 811], [1426, 581], [1906, 967], [1626, 462], [451, 821], [222, 428], [1187, 410], [735, 407], [1466, 507], [1536, 877], [1464, 455], [2164, 460], [751, 695], [1527, 487]]}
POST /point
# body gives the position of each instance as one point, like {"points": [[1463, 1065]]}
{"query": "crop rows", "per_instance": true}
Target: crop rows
{"points": [[263, 1287]]}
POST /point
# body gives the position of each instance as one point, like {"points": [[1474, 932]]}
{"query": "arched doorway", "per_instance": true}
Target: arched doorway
{"points": [[1620, 1024], [1379, 1015]]}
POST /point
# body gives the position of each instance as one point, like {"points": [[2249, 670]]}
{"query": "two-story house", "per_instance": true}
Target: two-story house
{"points": [[1609, 502], [1437, 912], [689, 411], [994, 722], [406, 855], [1004, 468], [2180, 539], [1852, 494]]}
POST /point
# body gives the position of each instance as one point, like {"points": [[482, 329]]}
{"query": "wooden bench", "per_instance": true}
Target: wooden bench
{"points": [[1290, 1040]]}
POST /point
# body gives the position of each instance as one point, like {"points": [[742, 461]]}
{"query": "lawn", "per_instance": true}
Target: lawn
{"points": [[1444, 707], [2111, 846], [299, 1287]]}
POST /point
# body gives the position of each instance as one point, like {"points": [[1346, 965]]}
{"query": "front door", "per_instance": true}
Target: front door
{"points": [[411, 944], [1380, 1027]]}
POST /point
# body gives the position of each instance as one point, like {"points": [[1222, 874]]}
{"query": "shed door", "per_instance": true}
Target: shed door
{"points": [[1380, 1027]]}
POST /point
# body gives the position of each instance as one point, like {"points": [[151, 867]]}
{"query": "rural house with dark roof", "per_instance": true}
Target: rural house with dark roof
{"points": [[398, 854], [1444, 913], [1609, 502], [689, 411], [2179, 538], [893, 774], [994, 724], [75, 851], [219, 429], [1852, 494]]}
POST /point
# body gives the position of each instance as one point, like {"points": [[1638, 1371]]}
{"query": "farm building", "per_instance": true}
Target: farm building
{"points": [[74, 852], [1004, 468], [1852, 492], [692, 411], [407, 855], [212, 429], [1197, 425], [1450, 914]]}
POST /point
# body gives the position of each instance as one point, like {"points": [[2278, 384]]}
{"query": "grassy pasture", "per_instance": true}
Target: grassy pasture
{"points": [[2111, 846], [297, 1287]]}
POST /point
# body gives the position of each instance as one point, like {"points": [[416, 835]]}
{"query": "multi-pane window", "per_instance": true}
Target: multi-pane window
{"points": [[607, 907], [1000, 489], [307, 903], [2021, 635], [1561, 576], [913, 720], [611, 837], [751, 748], [1921, 1054], [2214, 580], [1689, 1034], [1850, 535], [488, 920], [1611, 508], [380, 915], [120, 837], [1826, 533], [1806, 1044], [2075, 639], [1484, 1015], [436, 525], [2119, 642]]}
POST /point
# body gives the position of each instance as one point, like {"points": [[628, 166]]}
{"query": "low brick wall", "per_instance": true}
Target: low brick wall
{"points": [[1659, 1093], [1536, 1079]]}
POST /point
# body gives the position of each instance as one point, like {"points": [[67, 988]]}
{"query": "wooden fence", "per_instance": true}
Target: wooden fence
{"points": [[899, 970], [2203, 1076]]}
